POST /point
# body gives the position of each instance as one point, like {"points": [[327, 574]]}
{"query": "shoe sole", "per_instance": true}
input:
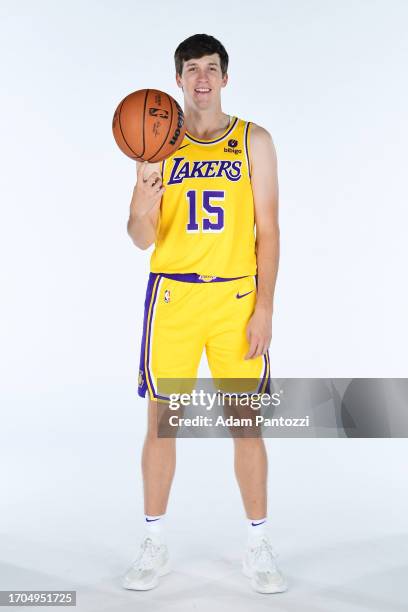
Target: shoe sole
{"points": [[166, 569], [276, 589]]}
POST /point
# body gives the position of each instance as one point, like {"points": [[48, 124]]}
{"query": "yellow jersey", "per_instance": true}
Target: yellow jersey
{"points": [[207, 218]]}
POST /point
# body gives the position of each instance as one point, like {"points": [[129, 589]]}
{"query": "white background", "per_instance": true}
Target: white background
{"points": [[327, 79]]}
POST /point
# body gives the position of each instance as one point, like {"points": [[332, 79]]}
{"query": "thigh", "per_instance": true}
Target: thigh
{"points": [[173, 336], [227, 344]]}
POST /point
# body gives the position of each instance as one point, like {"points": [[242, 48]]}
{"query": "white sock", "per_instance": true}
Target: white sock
{"points": [[256, 529], [154, 527]]}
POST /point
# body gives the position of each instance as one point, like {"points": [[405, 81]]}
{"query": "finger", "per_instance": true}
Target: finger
{"points": [[154, 176], [140, 168], [152, 181], [248, 335], [252, 348], [154, 187], [258, 350]]}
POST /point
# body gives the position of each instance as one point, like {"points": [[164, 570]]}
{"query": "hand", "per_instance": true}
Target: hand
{"points": [[147, 192], [259, 332]]}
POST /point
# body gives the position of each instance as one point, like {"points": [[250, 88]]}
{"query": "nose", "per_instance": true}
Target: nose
{"points": [[202, 75]]}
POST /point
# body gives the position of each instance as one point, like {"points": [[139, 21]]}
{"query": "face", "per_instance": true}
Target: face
{"points": [[202, 81]]}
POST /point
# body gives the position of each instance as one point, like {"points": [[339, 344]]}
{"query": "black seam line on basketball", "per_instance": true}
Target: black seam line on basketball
{"points": [[171, 121], [120, 127], [143, 121]]}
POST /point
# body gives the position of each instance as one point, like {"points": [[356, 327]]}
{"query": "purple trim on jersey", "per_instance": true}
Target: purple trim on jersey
{"points": [[192, 277], [208, 142], [149, 295], [247, 147]]}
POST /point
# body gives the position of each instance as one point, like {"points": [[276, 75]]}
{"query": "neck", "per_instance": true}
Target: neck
{"points": [[205, 124]]}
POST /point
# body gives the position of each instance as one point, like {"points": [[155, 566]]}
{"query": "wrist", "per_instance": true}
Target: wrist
{"points": [[266, 306]]}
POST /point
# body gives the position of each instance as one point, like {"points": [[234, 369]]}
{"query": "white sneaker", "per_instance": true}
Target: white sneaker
{"points": [[151, 563], [259, 565]]}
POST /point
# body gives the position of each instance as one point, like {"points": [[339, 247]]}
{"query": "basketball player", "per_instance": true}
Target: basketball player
{"points": [[199, 207]]}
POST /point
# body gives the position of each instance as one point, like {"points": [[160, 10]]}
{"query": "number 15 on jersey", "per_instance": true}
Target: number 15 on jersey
{"points": [[214, 221]]}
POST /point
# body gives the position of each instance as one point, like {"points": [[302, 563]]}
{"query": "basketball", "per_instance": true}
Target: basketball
{"points": [[148, 125]]}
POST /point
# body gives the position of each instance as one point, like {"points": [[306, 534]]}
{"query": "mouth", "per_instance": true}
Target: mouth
{"points": [[202, 91]]}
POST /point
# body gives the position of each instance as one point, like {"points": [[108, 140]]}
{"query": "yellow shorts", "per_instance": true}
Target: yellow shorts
{"points": [[185, 313]]}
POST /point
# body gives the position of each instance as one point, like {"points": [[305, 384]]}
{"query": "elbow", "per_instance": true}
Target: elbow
{"points": [[270, 234], [143, 245], [139, 242], [141, 236]]}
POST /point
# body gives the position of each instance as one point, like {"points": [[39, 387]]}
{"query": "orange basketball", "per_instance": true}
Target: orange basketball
{"points": [[148, 125]]}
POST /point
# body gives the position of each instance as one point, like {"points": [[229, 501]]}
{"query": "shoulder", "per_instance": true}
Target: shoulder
{"points": [[259, 133], [261, 142]]}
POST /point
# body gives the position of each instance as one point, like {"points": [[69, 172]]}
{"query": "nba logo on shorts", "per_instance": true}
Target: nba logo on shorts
{"points": [[167, 296], [140, 378]]}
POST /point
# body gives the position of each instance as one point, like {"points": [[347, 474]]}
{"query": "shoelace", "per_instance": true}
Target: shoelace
{"points": [[264, 556], [147, 557]]}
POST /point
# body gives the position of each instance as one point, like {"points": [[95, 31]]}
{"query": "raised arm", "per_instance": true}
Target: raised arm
{"points": [[145, 205]]}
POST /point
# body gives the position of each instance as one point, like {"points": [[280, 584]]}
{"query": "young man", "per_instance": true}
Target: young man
{"points": [[211, 285]]}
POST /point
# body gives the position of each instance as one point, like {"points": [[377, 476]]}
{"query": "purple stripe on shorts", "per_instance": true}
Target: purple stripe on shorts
{"points": [[149, 333], [265, 376], [142, 372]]}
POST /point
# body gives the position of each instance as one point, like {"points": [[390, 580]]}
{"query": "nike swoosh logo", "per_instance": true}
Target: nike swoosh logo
{"points": [[183, 146], [256, 524], [238, 296], [151, 520]]}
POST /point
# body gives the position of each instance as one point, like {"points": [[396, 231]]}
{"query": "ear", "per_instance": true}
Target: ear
{"points": [[224, 80], [179, 81]]}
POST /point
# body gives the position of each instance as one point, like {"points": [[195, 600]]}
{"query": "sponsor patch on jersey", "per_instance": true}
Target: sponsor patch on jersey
{"points": [[232, 147], [230, 150]]}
